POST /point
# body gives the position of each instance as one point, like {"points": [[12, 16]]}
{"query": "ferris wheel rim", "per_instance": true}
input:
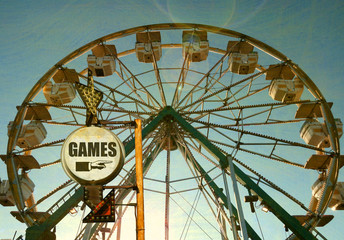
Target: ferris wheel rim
{"points": [[333, 168]]}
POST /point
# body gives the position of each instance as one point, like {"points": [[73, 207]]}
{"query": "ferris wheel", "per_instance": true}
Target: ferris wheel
{"points": [[214, 104]]}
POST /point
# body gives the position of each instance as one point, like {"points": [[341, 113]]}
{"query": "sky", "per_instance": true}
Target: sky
{"points": [[37, 34]]}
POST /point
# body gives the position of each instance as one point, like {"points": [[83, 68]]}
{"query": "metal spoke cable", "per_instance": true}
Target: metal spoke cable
{"points": [[80, 228], [134, 78], [274, 186], [259, 123], [203, 190], [237, 100], [132, 84], [181, 78], [62, 186], [260, 228], [63, 123], [192, 212], [223, 89], [49, 164], [188, 154], [83, 107], [258, 135], [207, 158], [141, 101], [41, 145], [220, 210], [157, 73], [249, 106], [208, 89], [259, 154], [191, 218], [202, 79], [193, 207]]}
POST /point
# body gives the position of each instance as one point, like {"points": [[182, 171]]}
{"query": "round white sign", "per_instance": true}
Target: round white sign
{"points": [[92, 155]]}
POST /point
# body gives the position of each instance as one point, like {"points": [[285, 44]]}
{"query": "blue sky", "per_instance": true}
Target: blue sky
{"points": [[37, 34]]}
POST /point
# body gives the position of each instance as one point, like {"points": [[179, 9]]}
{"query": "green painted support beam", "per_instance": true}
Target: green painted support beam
{"points": [[275, 208], [41, 232], [213, 150], [130, 146], [219, 194]]}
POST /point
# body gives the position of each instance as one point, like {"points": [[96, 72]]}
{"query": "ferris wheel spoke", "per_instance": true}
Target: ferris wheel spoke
{"points": [[217, 67], [273, 185], [220, 109], [223, 101], [185, 212], [111, 111], [207, 90], [271, 122], [202, 154], [62, 186], [129, 82], [269, 182], [50, 164], [158, 78], [126, 96], [287, 142], [237, 120], [49, 144], [68, 108], [149, 95], [130, 178], [271, 157], [196, 173], [249, 93], [224, 89], [181, 80]]}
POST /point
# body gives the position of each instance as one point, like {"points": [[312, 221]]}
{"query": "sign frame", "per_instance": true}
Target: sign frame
{"points": [[107, 158]]}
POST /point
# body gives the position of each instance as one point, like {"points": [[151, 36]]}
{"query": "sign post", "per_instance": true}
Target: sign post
{"points": [[140, 225]]}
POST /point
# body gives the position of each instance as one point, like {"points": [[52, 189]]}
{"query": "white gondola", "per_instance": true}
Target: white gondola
{"points": [[241, 59], [31, 134], [284, 87], [6, 197], [195, 45], [148, 43], [102, 60], [315, 133], [59, 93], [286, 90], [337, 200]]}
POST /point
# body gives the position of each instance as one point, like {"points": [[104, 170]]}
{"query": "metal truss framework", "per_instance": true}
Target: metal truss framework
{"points": [[213, 106], [36, 231]]}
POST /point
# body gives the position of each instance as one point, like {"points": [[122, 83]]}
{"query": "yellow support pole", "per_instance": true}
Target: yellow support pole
{"points": [[140, 221]]}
